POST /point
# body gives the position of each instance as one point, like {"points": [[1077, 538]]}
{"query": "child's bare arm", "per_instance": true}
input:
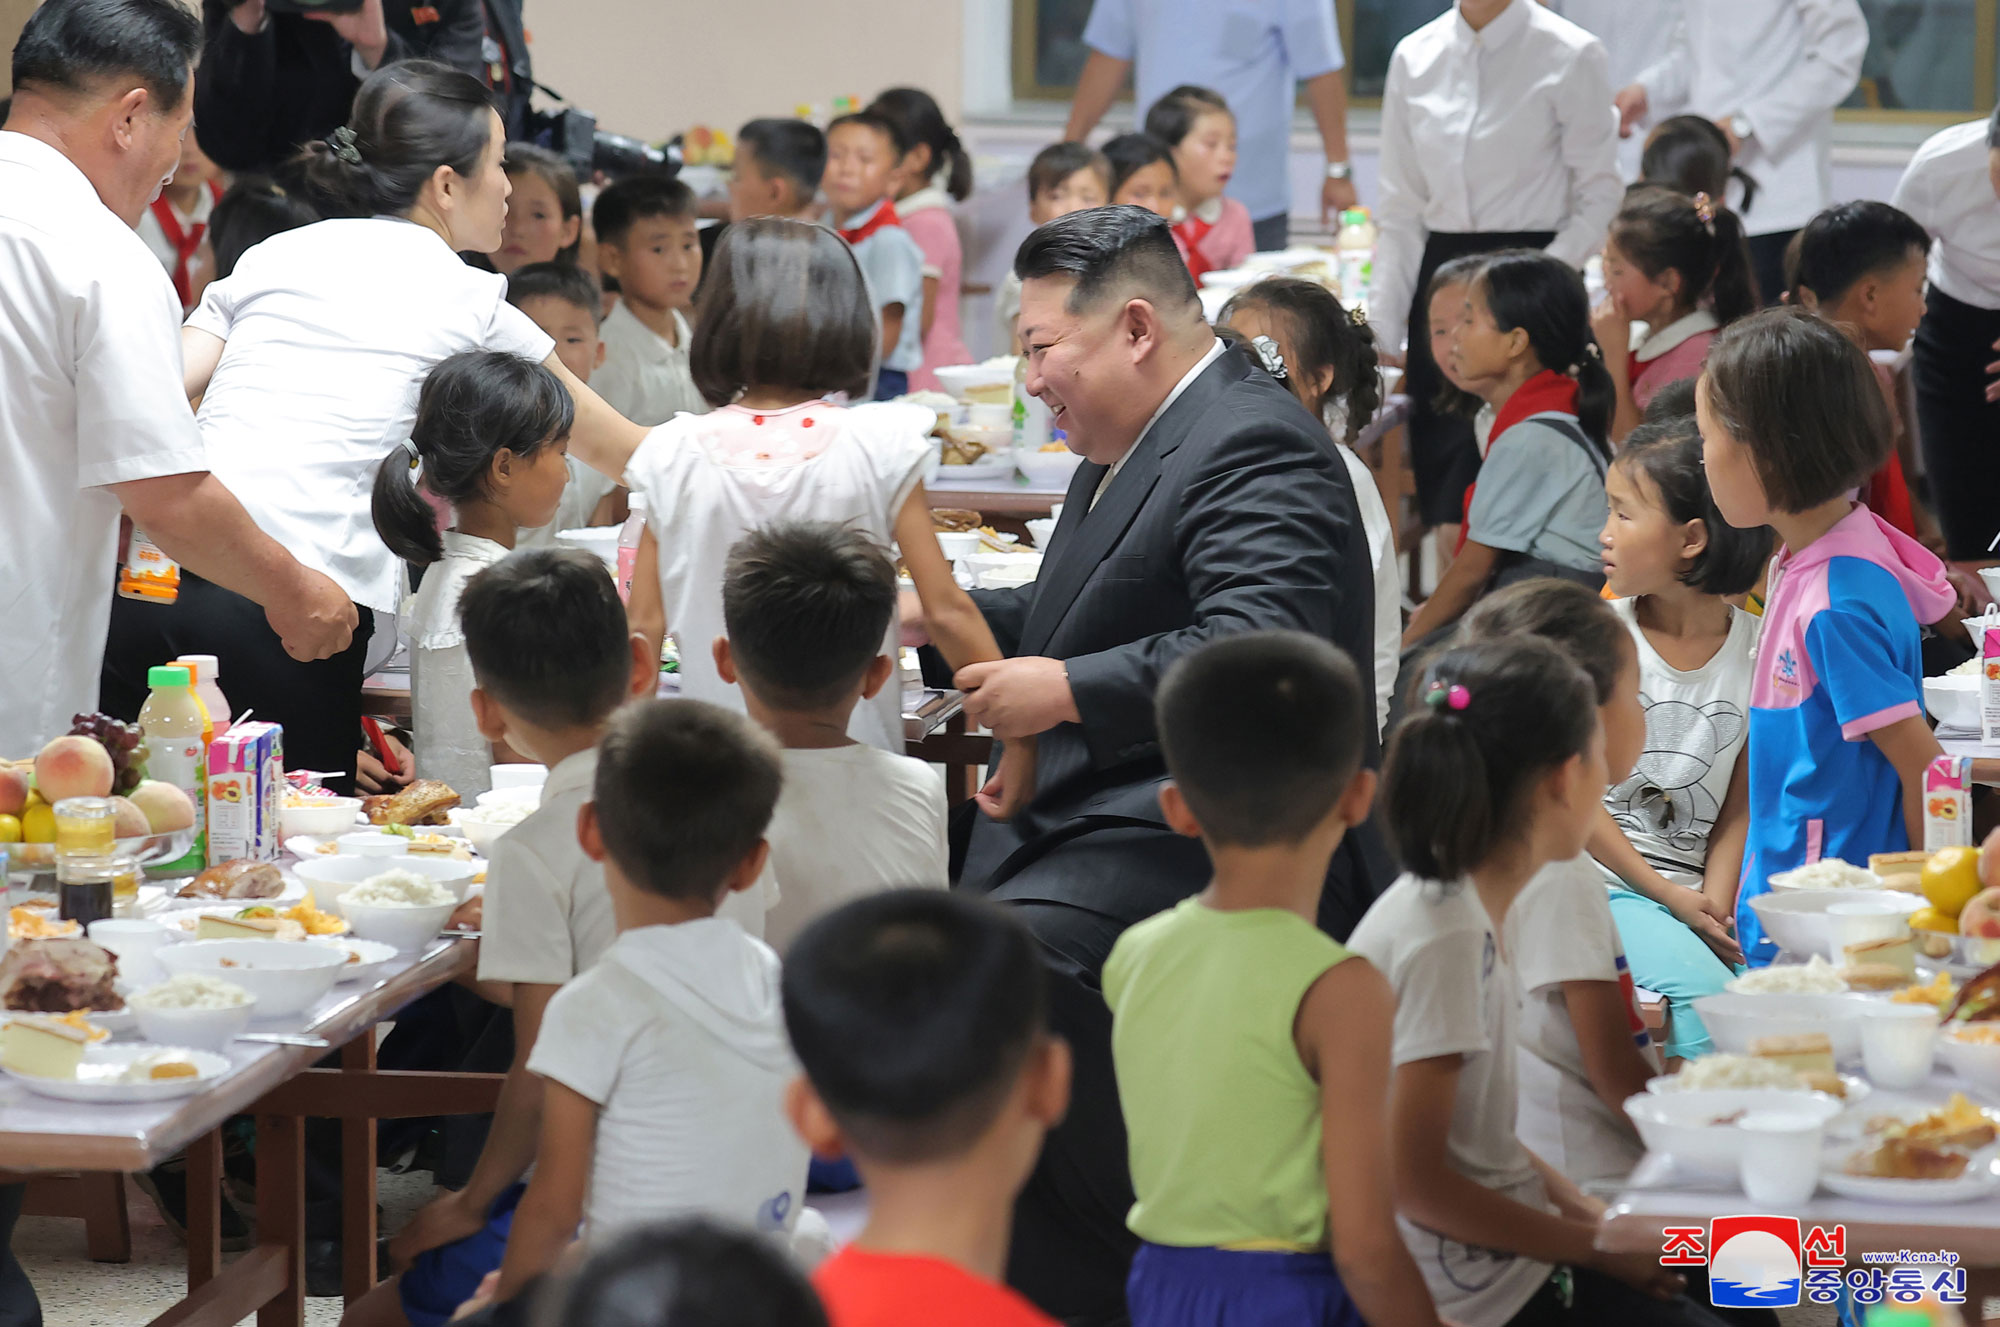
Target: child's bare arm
{"points": [[545, 1223], [1692, 908], [930, 303], [1456, 590], [1603, 1024], [1722, 874], [601, 438], [1344, 1032], [892, 328], [1910, 746], [955, 624], [647, 609]]}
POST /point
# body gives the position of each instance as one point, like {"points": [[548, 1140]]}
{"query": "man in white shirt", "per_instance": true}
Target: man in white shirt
{"points": [[95, 414], [1633, 37], [1769, 73]]}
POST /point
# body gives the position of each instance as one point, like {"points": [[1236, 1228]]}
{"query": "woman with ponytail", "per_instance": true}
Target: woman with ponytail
{"points": [[1681, 266], [935, 172], [492, 439], [1539, 504]]}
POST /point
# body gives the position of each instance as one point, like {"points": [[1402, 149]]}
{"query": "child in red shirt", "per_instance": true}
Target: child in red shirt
{"points": [[920, 1019]]}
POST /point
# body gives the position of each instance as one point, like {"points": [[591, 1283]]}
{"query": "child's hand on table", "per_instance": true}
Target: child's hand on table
{"points": [[468, 916]]}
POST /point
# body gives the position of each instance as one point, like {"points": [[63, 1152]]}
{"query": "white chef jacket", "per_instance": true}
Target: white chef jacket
{"points": [[1506, 129], [1634, 33], [91, 394], [1947, 189], [1783, 65]]}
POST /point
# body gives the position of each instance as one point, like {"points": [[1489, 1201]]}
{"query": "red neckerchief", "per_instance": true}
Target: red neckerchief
{"points": [[1193, 230], [1546, 392], [885, 216], [185, 239]]}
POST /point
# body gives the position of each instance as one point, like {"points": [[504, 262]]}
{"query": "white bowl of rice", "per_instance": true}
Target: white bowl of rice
{"points": [[484, 825], [329, 879], [1827, 873], [398, 908], [193, 1009]]}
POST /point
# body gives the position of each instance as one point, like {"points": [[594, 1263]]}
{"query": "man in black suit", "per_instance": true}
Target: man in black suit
{"points": [[1210, 502]]}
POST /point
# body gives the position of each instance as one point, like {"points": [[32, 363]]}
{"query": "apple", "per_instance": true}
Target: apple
{"points": [[165, 807], [13, 791], [129, 822], [74, 767]]}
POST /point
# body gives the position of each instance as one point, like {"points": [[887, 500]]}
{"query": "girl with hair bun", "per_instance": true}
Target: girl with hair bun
{"points": [[935, 172]]}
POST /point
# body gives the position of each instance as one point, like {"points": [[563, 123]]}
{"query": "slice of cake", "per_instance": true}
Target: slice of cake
{"points": [[43, 1047], [248, 928], [1874, 977], [1892, 864], [1899, 953], [1809, 1056]]}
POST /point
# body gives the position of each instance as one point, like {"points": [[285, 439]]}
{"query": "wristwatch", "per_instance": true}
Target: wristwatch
{"points": [[1339, 170], [1742, 128]]}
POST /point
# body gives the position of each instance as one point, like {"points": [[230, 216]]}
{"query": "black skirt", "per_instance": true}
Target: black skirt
{"points": [[1957, 428], [1444, 457]]}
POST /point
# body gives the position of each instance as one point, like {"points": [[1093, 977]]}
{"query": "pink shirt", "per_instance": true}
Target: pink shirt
{"points": [[1219, 233], [926, 215], [1671, 354]]}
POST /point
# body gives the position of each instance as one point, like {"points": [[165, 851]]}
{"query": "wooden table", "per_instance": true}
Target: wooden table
{"points": [[1016, 498]]}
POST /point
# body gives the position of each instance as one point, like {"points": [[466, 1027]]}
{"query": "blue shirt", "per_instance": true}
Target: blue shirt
{"points": [[893, 266], [1253, 52]]}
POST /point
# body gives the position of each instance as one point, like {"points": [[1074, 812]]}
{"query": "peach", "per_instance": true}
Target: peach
{"points": [[13, 791], [165, 807], [129, 822], [74, 767]]}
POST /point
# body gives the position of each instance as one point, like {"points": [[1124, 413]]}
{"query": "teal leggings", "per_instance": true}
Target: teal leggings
{"points": [[1672, 960]]}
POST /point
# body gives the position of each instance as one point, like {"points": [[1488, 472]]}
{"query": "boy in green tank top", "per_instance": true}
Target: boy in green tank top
{"points": [[1252, 1050]]}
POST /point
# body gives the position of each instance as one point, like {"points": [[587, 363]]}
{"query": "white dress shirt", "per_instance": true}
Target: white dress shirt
{"points": [[1633, 34], [1947, 189], [1506, 129], [90, 394], [1783, 65]]}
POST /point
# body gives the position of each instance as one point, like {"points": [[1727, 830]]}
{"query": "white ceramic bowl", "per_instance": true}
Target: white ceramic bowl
{"points": [[204, 1029], [1797, 918], [980, 562], [372, 843], [1006, 578], [482, 834], [1976, 1062], [530, 797], [284, 979], [407, 928], [1953, 701], [328, 878], [321, 817], [1991, 575], [1686, 1125], [520, 775], [1736, 1020], [958, 379], [1042, 531], [370, 955], [1048, 469], [958, 544]]}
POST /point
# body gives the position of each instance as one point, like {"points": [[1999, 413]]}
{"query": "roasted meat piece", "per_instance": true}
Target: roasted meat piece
{"points": [[422, 803]]}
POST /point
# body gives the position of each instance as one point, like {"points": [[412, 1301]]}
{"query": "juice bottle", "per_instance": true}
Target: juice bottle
{"points": [[172, 720], [628, 545], [1356, 246], [206, 674]]}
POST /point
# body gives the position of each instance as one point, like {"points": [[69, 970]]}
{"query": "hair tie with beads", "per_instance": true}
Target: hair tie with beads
{"points": [[1704, 207], [1447, 695]]}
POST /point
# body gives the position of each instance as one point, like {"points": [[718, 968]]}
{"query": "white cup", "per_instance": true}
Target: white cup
{"points": [[134, 942], [366, 843], [986, 416], [1898, 1042], [1780, 1165], [520, 776], [1859, 922]]}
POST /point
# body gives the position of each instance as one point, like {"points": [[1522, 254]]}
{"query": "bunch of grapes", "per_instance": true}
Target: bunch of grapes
{"points": [[125, 742]]}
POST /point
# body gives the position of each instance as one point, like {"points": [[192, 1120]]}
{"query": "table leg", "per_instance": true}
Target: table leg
{"points": [[281, 1212], [204, 1210], [357, 1181]]}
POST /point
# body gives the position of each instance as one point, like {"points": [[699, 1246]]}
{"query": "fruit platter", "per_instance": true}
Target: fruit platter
{"points": [[98, 757]]}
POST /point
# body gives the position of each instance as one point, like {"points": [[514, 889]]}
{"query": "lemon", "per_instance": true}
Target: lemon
{"points": [[10, 829], [38, 824], [1951, 878], [35, 799], [1930, 919]]}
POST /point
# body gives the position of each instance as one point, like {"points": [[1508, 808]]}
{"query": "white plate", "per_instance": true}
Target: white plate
{"points": [[979, 472], [306, 847], [183, 921], [373, 955], [293, 892], [1980, 1180], [97, 1077]]}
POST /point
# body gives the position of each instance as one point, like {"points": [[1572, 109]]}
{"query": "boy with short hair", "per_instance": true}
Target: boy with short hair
{"points": [[648, 243], [553, 659], [777, 172], [666, 1065], [808, 605], [1063, 178], [564, 301], [863, 153], [920, 1019]]}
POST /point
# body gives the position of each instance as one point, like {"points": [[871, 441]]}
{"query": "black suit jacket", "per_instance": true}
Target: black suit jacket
{"points": [[1233, 513]]}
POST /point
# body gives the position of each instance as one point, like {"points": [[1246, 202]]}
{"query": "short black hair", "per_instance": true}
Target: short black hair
{"points": [[1128, 154], [783, 304], [794, 149], [1673, 401], [639, 198], [557, 280], [1850, 241], [547, 636], [1690, 153], [1576, 620], [1172, 117], [679, 1273], [554, 170], [913, 1013], [1263, 732], [1121, 249], [893, 130], [807, 605], [1668, 454], [684, 793], [1803, 398], [252, 211], [1058, 161], [67, 45]]}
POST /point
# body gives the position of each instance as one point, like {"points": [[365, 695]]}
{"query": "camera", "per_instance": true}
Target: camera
{"points": [[574, 135]]}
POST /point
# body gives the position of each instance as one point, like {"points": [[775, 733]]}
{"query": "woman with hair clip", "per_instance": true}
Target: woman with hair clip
{"points": [[935, 173], [1539, 503]]}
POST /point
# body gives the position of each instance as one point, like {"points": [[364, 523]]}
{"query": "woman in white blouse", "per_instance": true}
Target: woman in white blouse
{"points": [[1950, 189], [306, 361], [1497, 133]]}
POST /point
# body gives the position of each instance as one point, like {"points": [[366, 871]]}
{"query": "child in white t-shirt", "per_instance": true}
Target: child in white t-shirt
{"points": [[1683, 813], [553, 660], [807, 604], [666, 1064], [491, 438]]}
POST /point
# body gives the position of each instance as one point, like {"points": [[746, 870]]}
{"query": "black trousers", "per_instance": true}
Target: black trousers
{"points": [[318, 703], [1767, 264], [1443, 454], [18, 1305], [1958, 430], [1597, 1299]]}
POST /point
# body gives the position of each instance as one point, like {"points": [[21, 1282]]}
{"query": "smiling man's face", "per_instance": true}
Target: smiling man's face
{"points": [[1083, 366]]}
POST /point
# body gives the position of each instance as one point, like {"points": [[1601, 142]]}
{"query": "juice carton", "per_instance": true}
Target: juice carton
{"points": [[1989, 686], [246, 785], [1948, 803]]}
